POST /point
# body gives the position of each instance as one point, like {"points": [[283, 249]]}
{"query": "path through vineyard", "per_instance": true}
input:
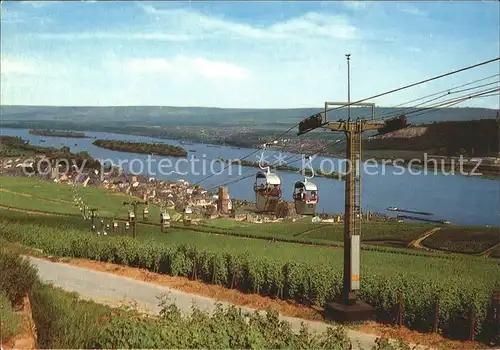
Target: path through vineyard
{"points": [[114, 290], [417, 243]]}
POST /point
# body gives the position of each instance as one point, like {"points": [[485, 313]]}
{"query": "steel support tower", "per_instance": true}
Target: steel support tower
{"points": [[348, 308]]}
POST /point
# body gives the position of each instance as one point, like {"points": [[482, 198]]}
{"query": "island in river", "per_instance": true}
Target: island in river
{"points": [[58, 133], [161, 149]]}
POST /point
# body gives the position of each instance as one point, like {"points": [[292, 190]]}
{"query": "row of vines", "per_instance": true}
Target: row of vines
{"points": [[465, 287]]}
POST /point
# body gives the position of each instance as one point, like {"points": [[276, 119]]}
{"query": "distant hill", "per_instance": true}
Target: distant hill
{"points": [[203, 116], [452, 138]]}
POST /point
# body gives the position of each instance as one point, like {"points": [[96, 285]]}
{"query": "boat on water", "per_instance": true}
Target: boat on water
{"points": [[409, 211], [186, 143], [192, 150]]}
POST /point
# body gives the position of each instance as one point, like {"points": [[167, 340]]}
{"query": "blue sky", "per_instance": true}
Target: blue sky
{"points": [[240, 54]]}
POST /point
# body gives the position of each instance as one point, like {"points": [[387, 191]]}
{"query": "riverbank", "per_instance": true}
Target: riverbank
{"points": [[14, 149]]}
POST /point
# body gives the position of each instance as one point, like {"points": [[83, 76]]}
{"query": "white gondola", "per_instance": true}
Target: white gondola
{"points": [[165, 220], [187, 216], [131, 216], [267, 189], [305, 195]]}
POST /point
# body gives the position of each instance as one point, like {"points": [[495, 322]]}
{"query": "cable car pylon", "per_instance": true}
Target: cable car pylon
{"points": [[348, 308]]}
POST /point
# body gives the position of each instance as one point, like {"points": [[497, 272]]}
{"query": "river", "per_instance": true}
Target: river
{"points": [[464, 200]]}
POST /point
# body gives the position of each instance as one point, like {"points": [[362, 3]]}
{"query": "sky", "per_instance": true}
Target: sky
{"points": [[241, 54]]}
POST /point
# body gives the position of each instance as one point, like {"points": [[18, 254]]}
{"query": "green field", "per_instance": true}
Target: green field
{"points": [[306, 274], [468, 240], [35, 194]]}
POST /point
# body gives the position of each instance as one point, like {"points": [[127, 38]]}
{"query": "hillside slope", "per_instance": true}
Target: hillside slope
{"points": [[452, 138]]}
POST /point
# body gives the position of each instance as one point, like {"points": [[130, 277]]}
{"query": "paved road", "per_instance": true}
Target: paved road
{"points": [[110, 289]]}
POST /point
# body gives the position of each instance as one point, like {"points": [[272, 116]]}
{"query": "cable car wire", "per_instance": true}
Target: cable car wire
{"points": [[417, 83], [426, 110], [252, 153], [373, 97], [442, 94]]}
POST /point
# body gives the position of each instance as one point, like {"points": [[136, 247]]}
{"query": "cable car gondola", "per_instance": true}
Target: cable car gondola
{"points": [[187, 216], [131, 216], [305, 196], [164, 220], [267, 189]]}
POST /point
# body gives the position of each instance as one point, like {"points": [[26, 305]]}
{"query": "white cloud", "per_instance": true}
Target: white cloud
{"points": [[310, 25], [183, 66], [11, 66], [9, 16], [38, 4], [411, 10], [355, 5], [218, 69], [113, 36], [184, 25]]}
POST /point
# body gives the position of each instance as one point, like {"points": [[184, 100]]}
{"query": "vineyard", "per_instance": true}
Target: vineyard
{"points": [[377, 236], [39, 195], [309, 275], [372, 232], [464, 239], [495, 253]]}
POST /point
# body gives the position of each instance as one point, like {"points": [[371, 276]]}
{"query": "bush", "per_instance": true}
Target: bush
{"points": [[9, 321], [18, 276], [63, 321]]}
